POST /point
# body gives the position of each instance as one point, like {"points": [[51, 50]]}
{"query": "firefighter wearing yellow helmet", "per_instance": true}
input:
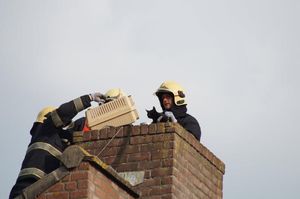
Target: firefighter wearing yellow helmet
{"points": [[114, 93], [175, 89], [46, 145], [42, 114], [172, 99]]}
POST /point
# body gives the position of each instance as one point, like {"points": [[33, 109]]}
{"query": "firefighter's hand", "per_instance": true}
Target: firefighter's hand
{"points": [[98, 97], [163, 118], [171, 116]]}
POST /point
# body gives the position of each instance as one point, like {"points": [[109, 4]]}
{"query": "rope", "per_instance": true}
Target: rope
{"points": [[109, 141]]}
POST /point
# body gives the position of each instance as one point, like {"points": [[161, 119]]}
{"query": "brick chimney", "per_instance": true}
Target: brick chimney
{"points": [[90, 181], [161, 161]]}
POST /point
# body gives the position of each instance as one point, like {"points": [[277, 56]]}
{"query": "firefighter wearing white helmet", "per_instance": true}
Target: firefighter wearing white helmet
{"points": [[47, 141], [113, 94], [42, 114], [176, 90], [171, 96]]}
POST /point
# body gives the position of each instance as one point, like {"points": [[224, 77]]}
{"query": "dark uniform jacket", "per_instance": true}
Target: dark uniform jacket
{"points": [[48, 141], [187, 121]]}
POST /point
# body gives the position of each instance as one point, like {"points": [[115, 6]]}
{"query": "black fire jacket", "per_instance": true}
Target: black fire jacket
{"points": [[49, 139]]}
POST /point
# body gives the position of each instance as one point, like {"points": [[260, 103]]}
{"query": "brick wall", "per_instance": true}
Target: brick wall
{"points": [[87, 181], [176, 165]]}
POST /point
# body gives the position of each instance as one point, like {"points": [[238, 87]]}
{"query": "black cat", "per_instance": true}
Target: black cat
{"points": [[156, 116]]}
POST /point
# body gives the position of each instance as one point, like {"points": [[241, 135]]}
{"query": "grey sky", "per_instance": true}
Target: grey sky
{"points": [[238, 60]]}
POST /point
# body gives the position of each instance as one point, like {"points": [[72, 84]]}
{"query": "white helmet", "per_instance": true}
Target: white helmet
{"points": [[42, 114], [175, 89], [113, 94]]}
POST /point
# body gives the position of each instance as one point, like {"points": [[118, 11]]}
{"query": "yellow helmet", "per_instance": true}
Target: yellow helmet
{"points": [[175, 89], [114, 93], [42, 114]]}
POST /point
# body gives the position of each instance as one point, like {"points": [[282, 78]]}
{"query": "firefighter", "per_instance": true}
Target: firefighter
{"points": [[173, 103], [113, 94], [49, 139]]}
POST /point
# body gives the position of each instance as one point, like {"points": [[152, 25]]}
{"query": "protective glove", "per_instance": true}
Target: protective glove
{"points": [[98, 97], [171, 116], [163, 118]]}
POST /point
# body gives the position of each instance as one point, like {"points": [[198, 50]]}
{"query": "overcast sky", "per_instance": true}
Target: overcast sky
{"points": [[239, 62]]}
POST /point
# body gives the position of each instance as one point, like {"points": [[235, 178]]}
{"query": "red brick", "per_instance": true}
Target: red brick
{"points": [[146, 147], [100, 193], [132, 149], [169, 162], [57, 187], [161, 172], [131, 166], [60, 195], [138, 157], [160, 127], [168, 196], [169, 127], [121, 132], [79, 175], [169, 145], [147, 174], [79, 194], [152, 146], [83, 166], [151, 182], [136, 130], [95, 135], [66, 179], [140, 140], [83, 184], [112, 131], [160, 190], [144, 191], [97, 181], [71, 186], [110, 151], [152, 128], [108, 160], [144, 129], [166, 180], [155, 197], [99, 144], [103, 133], [142, 165], [163, 137], [118, 142], [119, 159], [161, 154]]}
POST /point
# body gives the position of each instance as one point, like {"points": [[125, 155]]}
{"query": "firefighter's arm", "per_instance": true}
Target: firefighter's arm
{"points": [[67, 111]]}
